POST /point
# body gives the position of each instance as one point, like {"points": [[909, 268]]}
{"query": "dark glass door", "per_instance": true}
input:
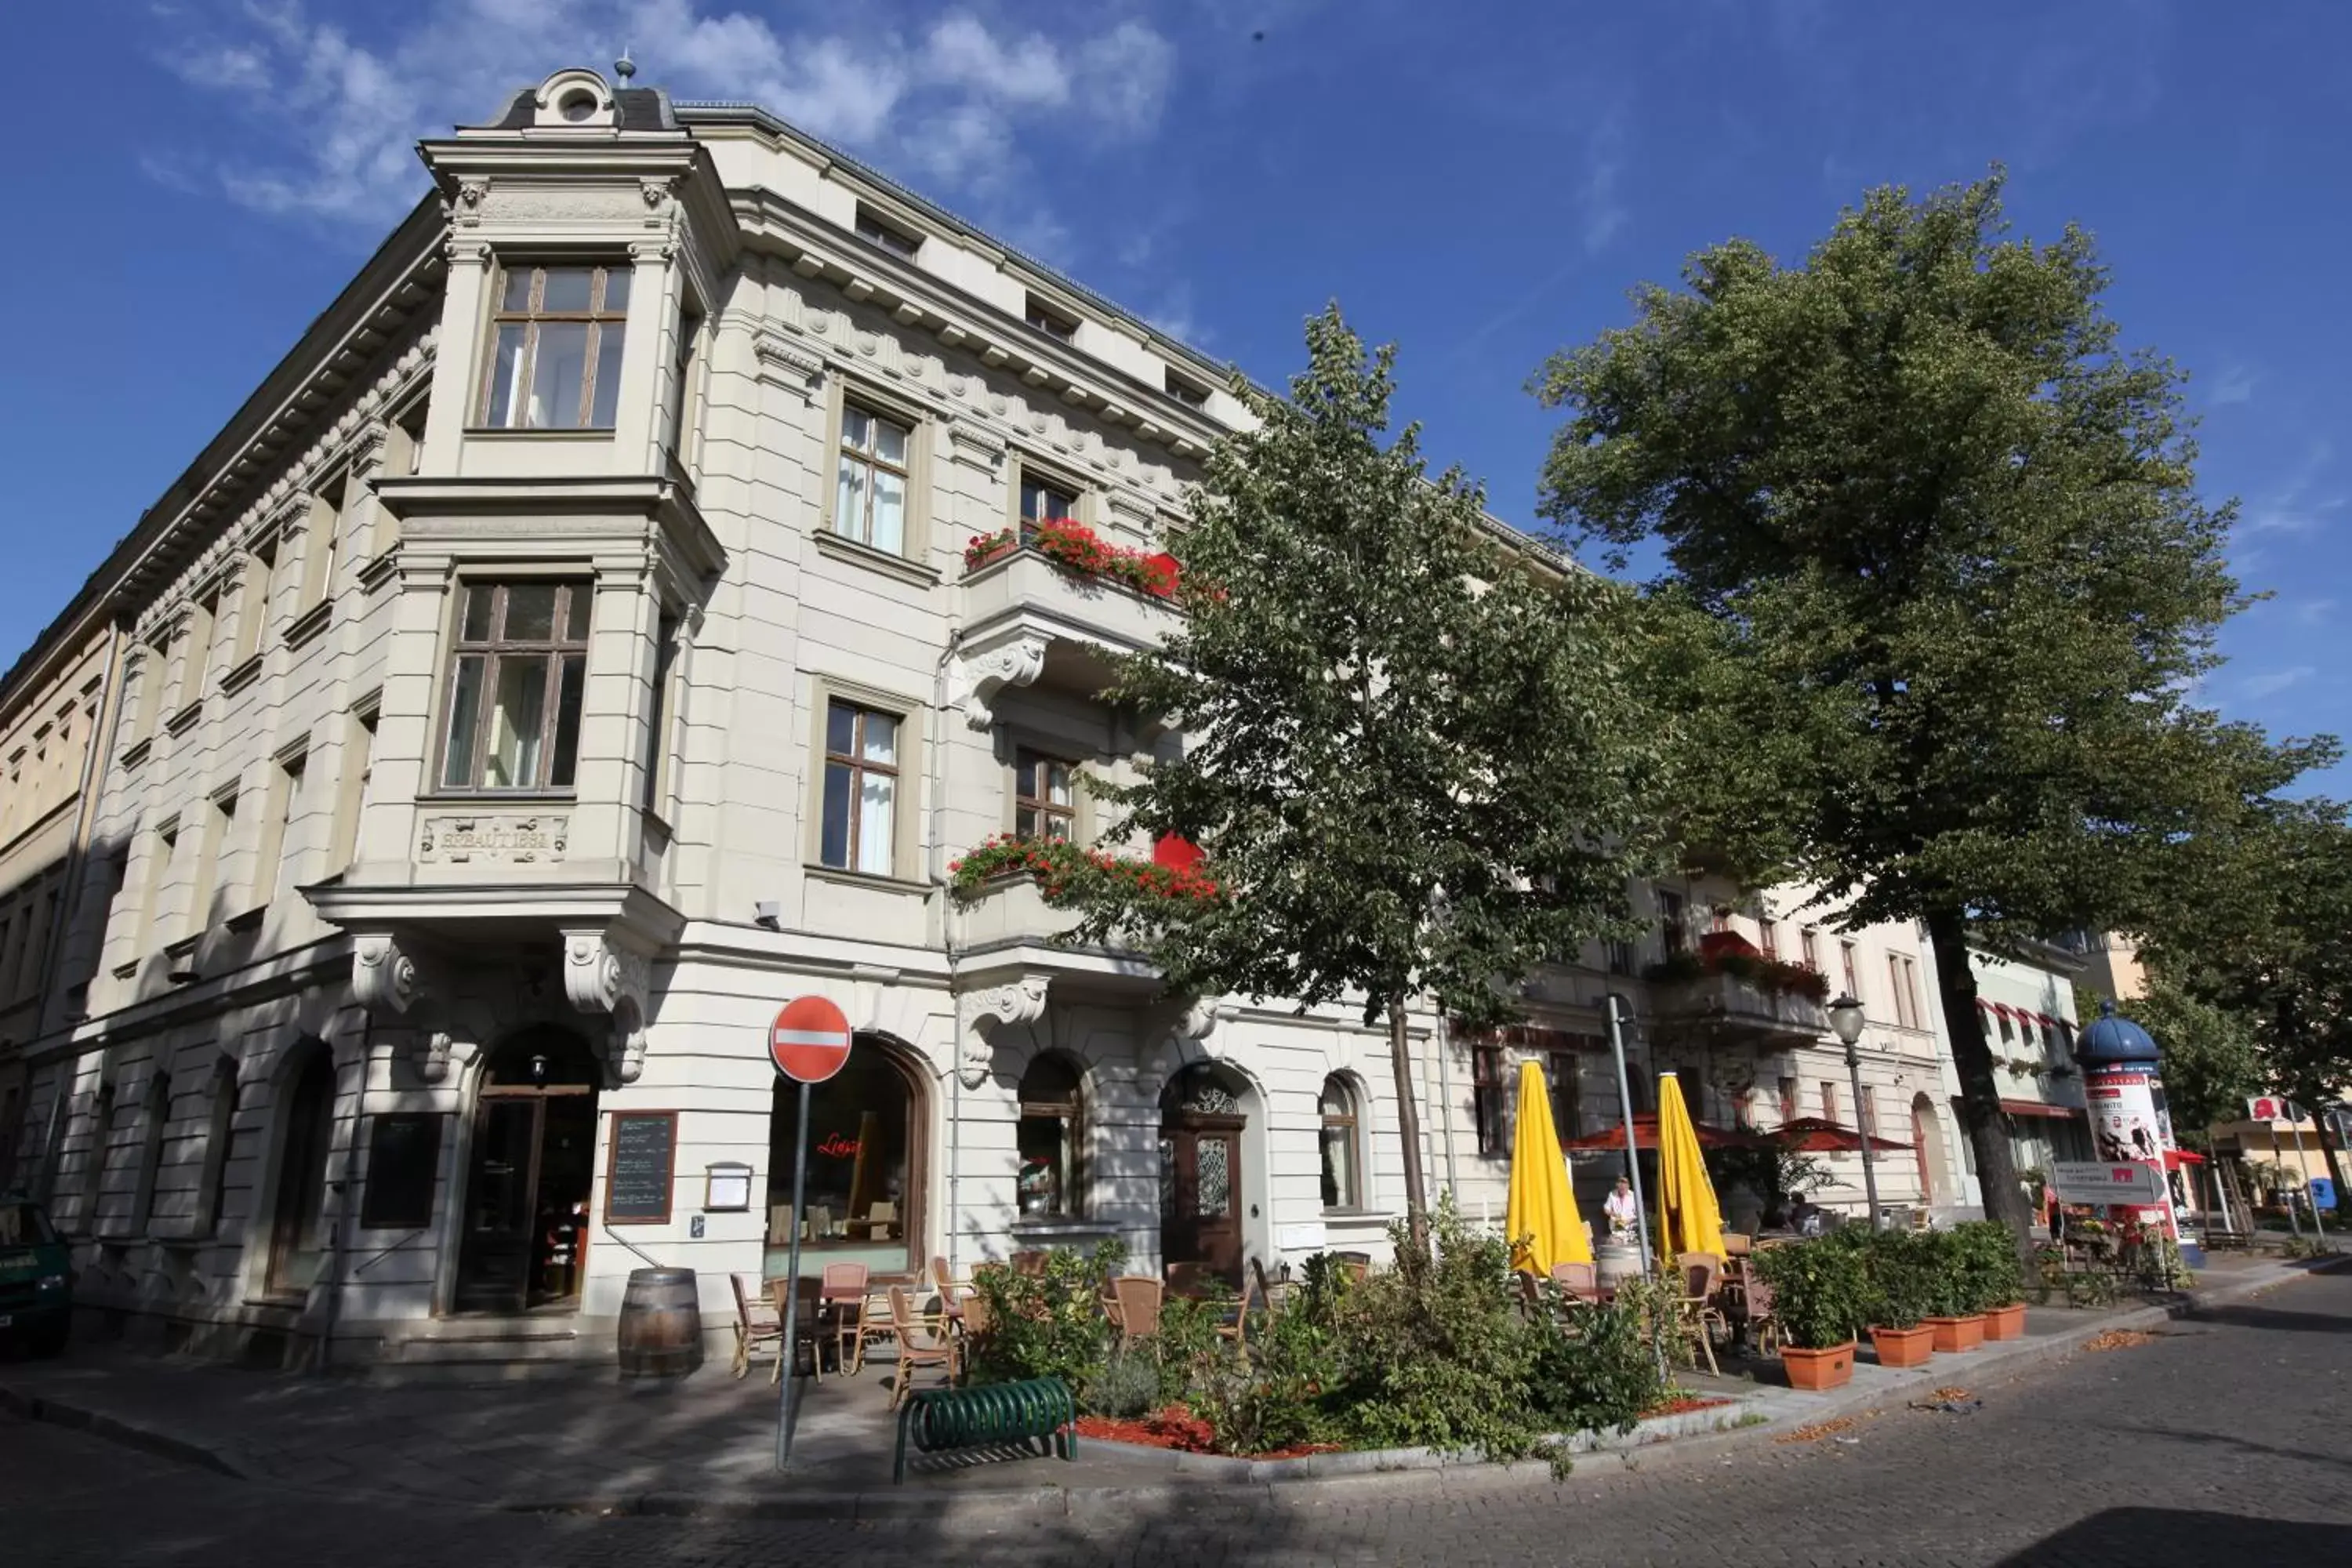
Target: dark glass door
{"points": [[495, 1253], [1201, 1195], [297, 1224]]}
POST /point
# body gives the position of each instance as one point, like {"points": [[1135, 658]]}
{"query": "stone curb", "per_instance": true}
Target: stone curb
{"points": [[1213, 1476]]}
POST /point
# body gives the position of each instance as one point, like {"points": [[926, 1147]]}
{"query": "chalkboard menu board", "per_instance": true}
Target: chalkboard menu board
{"points": [[643, 1161], [404, 1160]]}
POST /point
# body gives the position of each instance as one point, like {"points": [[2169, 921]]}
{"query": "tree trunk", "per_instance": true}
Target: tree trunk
{"points": [[1416, 1202], [1986, 1124]]}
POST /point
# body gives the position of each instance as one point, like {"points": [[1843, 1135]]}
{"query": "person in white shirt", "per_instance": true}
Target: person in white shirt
{"points": [[1623, 1214]]}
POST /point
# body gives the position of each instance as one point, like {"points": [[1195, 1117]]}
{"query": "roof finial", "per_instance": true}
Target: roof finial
{"points": [[625, 67]]}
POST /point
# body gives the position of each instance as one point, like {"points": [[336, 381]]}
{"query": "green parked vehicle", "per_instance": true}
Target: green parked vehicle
{"points": [[35, 1278]]}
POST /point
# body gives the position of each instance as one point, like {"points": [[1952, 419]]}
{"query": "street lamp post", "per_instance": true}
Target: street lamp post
{"points": [[1845, 1021]]}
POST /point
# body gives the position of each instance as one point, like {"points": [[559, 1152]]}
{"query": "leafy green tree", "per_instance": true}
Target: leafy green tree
{"points": [[2212, 1059], [1947, 531], [1416, 753]]}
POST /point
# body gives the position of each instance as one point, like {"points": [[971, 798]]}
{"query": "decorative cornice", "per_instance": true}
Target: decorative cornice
{"points": [[786, 365]]}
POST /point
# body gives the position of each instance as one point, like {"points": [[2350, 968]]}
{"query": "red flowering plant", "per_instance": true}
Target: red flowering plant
{"points": [[984, 548], [1067, 874], [1081, 551]]}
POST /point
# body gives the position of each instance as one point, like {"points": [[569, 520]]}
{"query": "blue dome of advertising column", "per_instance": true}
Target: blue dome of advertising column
{"points": [[2115, 1041]]}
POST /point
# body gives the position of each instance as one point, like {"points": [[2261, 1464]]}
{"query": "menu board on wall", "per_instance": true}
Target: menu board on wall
{"points": [[641, 1168], [404, 1160]]}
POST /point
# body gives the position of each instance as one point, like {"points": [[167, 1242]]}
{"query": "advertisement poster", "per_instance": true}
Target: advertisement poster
{"points": [[2126, 1125]]}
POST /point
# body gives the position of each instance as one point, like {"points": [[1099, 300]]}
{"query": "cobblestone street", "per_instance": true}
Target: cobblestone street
{"points": [[2226, 1439]]}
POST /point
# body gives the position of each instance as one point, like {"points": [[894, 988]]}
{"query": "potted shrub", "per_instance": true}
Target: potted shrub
{"points": [[1898, 1300], [1996, 1277], [1818, 1295], [1950, 1291]]}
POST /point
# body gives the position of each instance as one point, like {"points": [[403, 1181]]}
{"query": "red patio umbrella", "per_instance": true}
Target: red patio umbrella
{"points": [[1645, 1136], [1816, 1135]]}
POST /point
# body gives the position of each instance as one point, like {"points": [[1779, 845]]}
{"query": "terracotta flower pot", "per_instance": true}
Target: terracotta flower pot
{"points": [[1817, 1370], [1957, 1333], [2006, 1322], [1903, 1347]]}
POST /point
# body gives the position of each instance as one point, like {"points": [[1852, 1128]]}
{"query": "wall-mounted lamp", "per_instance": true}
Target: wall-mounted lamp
{"points": [[727, 1187]]}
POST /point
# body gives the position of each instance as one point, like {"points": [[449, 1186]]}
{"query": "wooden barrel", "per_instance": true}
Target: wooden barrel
{"points": [[660, 1329], [1614, 1262]]}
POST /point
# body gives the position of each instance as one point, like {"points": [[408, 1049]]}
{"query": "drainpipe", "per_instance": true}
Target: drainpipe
{"points": [[1444, 1050], [947, 913]]}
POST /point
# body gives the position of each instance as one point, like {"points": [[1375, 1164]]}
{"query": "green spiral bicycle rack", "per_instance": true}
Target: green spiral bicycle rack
{"points": [[997, 1413]]}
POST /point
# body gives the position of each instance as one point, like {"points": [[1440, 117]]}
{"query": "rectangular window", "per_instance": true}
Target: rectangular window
{"points": [[220, 823], [1853, 975], [1043, 501], [1620, 957], [319, 543], [1829, 1099], [657, 718], [555, 359], [1911, 994], [159, 871], [286, 804], [1768, 938], [1567, 1096], [351, 800], [516, 673], [861, 789], [1788, 1101], [1810, 944], [1186, 391], [1486, 1099], [1054, 323], [888, 235], [1870, 1110], [1894, 987], [1044, 805], [253, 610], [681, 391], [869, 497], [1673, 934]]}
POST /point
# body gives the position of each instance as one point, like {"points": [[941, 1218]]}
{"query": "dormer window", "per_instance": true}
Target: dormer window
{"points": [[1186, 391], [1051, 321], [577, 107], [888, 235], [555, 363]]}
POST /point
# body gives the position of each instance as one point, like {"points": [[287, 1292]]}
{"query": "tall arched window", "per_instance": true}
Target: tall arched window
{"points": [[866, 1162], [1342, 1140], [306, 1119], [220, 1131], [102, 1144], [155, 1122], [1050, 1139]]}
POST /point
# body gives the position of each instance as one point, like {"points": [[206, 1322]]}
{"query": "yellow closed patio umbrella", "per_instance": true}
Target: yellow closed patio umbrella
{"points": [[1689, 1220], [1544, 1225]]}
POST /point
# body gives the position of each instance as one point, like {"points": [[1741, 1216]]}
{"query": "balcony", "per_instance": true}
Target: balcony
{"points": [[1008, 924], [1729, 1009], [1031, 620]]}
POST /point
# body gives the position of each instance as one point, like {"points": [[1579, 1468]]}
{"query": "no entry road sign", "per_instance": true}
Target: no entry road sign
{"points": [[810, 1039]]}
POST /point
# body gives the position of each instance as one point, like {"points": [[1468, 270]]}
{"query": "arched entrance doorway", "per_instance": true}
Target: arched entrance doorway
{"points": [[1927, 1148], [525, 1218], [298, 1220], [867, 1166], [1202, 1119]]}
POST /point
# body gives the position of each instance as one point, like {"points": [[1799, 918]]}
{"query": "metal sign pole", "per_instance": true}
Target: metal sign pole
{"points": [[1862, 1134], [2303, 1173], [787, 1396], [1626, 1110]]}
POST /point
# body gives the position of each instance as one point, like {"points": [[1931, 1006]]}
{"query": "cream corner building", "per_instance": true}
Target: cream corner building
{"points": [[567, 655]]}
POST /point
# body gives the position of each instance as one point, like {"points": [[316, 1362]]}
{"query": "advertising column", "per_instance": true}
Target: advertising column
{"points": [[2120, 1067]]}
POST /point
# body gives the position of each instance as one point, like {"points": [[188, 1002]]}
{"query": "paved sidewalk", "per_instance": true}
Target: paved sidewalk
{"points": [[705, 1443]]}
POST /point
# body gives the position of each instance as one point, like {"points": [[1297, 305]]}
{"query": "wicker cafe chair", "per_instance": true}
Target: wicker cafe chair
{"points": [[1138, 1298], [841, 1307], [918, 1347], [1763, 1325], [756, 1325], [950, 1312], [1578, 1281], [1698, 1314]]}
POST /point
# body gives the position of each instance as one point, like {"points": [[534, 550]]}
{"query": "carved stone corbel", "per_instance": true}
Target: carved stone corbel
{"points": [[975, 678], [603, 975], [438, 1052], [977, 1011], [1185, 1041], [384, 979]]}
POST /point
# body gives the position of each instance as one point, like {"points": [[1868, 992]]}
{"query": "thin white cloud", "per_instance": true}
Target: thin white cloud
{"points": [[2270, 683], [2311, 611], [2235, 384], [2292, 507], [335, 108], [1604, 162]]}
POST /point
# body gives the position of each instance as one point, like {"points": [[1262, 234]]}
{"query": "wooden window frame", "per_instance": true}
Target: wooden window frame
{"points": [[873, 463], [1829, 1099], [1042, 315], [1071, 1113], [1790, 1090], [1488, 1102], [1674, 930], [558, 649], [858, 765], [531, 316], [1024, 758], [876, 229], [1348, 1121]]}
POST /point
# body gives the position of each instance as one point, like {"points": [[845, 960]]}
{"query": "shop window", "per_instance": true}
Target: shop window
{"points": [[863, 1174]]}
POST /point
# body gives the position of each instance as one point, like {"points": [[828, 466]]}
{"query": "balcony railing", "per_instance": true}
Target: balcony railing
{"points": [[1736, 1008]]}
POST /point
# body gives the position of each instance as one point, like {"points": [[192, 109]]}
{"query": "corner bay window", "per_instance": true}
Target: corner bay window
{"points": [[861, 788], [555, 360], [1341, 1143], [869, 503], [517, 671], [1048, 1139], [1043, 806]]}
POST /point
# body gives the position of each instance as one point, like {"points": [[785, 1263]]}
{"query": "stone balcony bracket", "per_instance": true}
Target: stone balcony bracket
{"points": [[976, 676], [980, 1011], [605, 972]]}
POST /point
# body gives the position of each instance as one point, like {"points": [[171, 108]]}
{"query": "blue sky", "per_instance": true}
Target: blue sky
{"points": [[1480, 183]]}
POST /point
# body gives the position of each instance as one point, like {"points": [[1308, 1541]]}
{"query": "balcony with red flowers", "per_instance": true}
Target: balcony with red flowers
{"points": [[1727, 993], [1048, 604]]}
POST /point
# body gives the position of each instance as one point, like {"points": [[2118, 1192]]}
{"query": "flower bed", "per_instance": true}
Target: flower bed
{"points": [[1061, 870], [1682, 1406], [1178, 1428], [1081, 551]]}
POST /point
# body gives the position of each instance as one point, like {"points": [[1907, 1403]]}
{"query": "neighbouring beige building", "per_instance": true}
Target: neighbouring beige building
{"points": [[609, 622]]}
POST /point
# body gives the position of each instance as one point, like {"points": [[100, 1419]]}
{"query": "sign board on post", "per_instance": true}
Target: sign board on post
{"points": [[2126, 1183], [809, 1042]]}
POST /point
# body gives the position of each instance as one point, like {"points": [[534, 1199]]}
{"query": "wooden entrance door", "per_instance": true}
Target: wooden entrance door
{"points": [[1200, 1126], [523, 1225]]}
